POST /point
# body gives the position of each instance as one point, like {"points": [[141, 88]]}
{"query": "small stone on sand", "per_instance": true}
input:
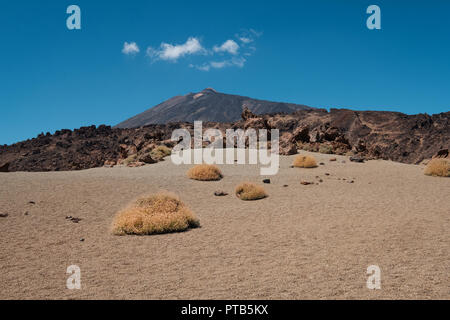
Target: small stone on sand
{"points": [[220, 193]]}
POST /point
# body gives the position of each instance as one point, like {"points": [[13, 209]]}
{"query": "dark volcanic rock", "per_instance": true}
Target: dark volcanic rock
{"points": [[442, 154], [220, 193], [368, 134], [287, 149], [247, 114], [146, 158], [301, 134], [4, 167], [356, 159]]}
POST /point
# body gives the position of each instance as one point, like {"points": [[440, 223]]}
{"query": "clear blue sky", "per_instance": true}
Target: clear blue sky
{"points": [[318, 53]]}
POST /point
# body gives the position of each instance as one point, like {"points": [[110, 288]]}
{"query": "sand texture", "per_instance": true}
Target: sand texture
{"points": [[301, 242]]}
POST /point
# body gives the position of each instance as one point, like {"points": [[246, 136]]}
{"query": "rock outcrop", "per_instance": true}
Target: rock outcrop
{"points": [[365, 134]]}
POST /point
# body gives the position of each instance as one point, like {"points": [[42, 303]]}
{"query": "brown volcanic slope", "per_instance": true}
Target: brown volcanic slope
{"points": [[369, 134], [207, 105]]}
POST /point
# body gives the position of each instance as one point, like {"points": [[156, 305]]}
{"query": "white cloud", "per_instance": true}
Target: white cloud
{"points": [[234, 62], [229, 46], [130, 48], [218, 65], [248, 36], [256, 33], [245, 40], [169, 52], [228, 54], [205, 67], [239, 62]]}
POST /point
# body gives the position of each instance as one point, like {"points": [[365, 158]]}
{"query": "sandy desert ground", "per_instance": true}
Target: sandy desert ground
{"points": [[302, 242]]}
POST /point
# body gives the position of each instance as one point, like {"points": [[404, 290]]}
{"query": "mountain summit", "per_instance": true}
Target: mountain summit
{"points": [[207, 105]]}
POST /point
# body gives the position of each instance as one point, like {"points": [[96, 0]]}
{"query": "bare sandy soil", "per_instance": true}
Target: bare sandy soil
{"points": [[302, 242]]}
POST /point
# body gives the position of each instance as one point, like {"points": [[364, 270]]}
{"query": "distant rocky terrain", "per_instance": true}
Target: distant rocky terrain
{"points": [[207, 105], [366, 134]]}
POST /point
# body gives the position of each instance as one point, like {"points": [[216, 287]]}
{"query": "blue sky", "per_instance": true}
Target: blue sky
{"points": [[318, 53]]}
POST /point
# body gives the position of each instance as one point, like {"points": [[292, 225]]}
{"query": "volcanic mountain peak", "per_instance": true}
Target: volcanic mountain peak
{"points": [[209, 90], [202, 93], [206, 105]]}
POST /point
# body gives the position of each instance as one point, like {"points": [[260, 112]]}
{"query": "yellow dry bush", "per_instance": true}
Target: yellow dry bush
{"points": [[159, 213], [205, 172], [438, 167], [160, 152], [304, 162], [250, 191], [129, 160]]}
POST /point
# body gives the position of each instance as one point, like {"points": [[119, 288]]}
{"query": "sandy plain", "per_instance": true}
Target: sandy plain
{"points": [[302, 242]]}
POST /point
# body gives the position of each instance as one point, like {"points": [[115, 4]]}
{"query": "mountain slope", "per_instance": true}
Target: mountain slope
{"points": [[207, 105]]}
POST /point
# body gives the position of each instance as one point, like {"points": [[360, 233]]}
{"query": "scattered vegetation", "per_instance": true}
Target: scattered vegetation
{"points": [[129, 160], [307, 147], [438, 167], [250, 191], [154, 214], [147, 155], [302, 161], [205, 172], [349, 153], [160, 152], [327, 149]]}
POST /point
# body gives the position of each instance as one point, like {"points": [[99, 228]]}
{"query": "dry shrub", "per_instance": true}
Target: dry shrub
{"points": [[250, 191], [159, 213], [438, 167], [327, 149], [304, 162], [205, 172], [129, 160], [160, 152]]}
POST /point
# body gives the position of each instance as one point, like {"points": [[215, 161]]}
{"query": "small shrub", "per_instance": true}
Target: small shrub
{"points": [[438, 167], [205, 172], [304, 162], [160, 152], [349, 153], [307, 147], [154, 214], [129, 160], [303, 146], [250, 191], [146, 157], [327, 149]]}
